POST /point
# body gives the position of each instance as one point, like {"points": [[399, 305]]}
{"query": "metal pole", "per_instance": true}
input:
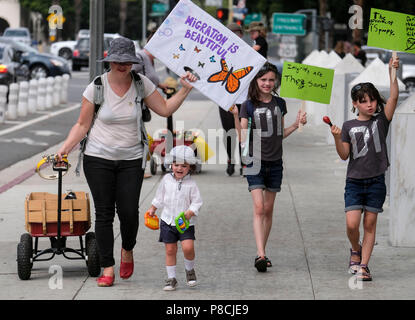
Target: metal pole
{"points": [[230, 13], [144, 18], [96, 39]]}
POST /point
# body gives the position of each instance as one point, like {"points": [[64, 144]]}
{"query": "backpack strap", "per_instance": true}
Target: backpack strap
{"points": [[98, 101], [139, 87], [98, 93]]}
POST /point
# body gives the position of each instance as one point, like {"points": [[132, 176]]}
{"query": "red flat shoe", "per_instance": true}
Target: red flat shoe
{"points": [[126, 268], [105, 281]]}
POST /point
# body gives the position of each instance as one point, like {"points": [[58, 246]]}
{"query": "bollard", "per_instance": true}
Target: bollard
{"points": [[56, 98], [13, 97], [23, 98], [41, 94], [3, 103], [32, 101], [402, 176], [64, 92], [49, 92]]}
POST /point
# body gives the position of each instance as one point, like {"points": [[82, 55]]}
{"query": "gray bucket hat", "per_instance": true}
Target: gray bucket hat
{"points": [[121, 50]]}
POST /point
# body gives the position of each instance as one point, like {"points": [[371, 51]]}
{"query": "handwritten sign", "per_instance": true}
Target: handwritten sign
{"points": [[391, 30], [306, 82], [190, 39]]}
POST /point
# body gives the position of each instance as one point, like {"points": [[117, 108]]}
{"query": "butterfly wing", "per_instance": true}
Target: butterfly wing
{"points": [[217, 77], [240, 73], [232, 84], [221, 75]]}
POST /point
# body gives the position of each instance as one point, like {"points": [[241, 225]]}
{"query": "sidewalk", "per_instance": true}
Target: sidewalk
{"points": [[308, 244]]}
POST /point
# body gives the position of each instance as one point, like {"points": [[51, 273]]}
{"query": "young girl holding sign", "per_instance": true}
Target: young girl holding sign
{"points": [[363, 141], [265, 111]]}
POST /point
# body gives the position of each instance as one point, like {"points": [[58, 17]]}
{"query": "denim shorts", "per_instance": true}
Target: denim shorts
{"points": [[170, 234], [268, 178], [365, 194]]}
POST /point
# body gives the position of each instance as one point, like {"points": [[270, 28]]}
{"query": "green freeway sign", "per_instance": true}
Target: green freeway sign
{"points": [[288, 23], [252, 17]]}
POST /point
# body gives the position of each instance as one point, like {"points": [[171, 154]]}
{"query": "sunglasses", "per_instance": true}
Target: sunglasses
{"points": [[359, 86], [124, 63]]}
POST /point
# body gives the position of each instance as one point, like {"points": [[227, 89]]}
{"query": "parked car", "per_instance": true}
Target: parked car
{"points": [[82, 33], [407, 61], [10, 69], [63, 49], [41, 65], [80, 56], [18, 34]]}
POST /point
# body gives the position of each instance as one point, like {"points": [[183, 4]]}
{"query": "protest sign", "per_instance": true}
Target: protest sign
{"points": [[306, 82], [391, 30], [190, 39]]}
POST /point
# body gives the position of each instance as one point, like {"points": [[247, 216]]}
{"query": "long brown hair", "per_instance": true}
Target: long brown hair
{"points": [[253, 91]]}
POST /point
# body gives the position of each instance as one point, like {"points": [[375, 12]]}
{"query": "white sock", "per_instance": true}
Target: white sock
{"points": [[171, 271], [189, 264]]}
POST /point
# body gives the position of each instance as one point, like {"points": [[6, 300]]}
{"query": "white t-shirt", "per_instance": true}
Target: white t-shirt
{"points": [[115, 134]]}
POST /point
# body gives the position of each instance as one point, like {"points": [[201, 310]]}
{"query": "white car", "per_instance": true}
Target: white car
{"points": [[63, 49], [18, 34]]}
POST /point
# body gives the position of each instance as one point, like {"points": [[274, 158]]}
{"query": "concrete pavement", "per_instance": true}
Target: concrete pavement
{"points": [[308, 244]]}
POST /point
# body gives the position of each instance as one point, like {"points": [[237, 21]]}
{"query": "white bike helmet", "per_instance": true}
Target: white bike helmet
{"points": [[180, 154]]}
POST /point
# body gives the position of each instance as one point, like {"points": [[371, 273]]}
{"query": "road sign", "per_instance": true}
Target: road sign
{"points": [[288, 23], [158, 9], [252, 17]]}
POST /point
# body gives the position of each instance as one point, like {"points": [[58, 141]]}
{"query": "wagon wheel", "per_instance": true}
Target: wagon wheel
{"points": [[94, 268], [24, 256], [153, 166]]}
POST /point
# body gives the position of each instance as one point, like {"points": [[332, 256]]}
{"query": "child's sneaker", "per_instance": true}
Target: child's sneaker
{"points": [[191, 278], [171, 284]]}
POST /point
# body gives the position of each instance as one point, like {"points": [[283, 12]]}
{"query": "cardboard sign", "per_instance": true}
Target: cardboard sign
{"points": [[306, 82], [391, 30], [190, 39]]}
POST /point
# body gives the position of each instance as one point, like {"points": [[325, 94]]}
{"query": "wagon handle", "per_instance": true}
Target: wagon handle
{"points": [[61, 166]]}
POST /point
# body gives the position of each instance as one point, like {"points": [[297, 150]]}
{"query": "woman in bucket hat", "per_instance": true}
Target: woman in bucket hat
{"points": [[116, 150], [258, 34]]}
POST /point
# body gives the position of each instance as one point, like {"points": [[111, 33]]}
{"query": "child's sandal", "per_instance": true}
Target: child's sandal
{"points": [[354, 265], [364, 273]]}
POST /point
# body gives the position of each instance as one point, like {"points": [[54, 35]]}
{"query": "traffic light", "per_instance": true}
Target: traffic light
{"points": [[222, 14]]}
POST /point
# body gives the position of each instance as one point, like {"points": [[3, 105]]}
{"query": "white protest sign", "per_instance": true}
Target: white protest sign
{"points": [[190, 39]]}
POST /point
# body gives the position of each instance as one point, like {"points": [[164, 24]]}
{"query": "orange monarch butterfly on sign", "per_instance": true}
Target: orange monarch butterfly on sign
{"points": [[229, 76]]}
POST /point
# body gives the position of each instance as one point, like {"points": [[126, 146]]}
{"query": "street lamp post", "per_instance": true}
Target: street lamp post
{"points": [[96, 39]]}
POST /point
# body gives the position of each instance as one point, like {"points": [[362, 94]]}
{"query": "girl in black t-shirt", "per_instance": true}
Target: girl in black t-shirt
{"points": [[258, 34], [363, 142], [265, 111]]}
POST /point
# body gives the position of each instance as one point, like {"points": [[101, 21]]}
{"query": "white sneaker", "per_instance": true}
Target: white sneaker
{"points": [[171, 284], [191, 278]]}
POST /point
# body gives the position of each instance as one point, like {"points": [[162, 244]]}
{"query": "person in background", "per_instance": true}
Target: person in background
{"points": [[358, 53], [339, 49], [146, 67], [258, 34], [227, 119]]}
